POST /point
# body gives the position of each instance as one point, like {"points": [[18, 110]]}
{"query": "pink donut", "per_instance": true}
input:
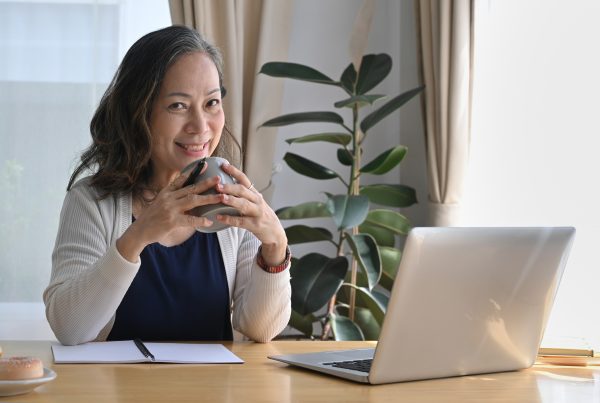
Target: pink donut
{"points": [[14, 368]]}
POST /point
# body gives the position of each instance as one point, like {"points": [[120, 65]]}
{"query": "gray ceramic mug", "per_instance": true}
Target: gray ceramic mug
{"points": [[212, 168]]}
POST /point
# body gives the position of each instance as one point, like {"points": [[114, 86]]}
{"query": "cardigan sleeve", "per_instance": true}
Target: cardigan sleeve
{"points": [[89, 277], [261, 300]]}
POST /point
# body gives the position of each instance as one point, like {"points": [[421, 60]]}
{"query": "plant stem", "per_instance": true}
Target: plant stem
{"points": [[327, 327], [331, 303], [354, 190]]}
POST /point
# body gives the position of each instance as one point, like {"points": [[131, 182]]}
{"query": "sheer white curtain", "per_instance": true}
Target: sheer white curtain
{"points": [[534, 151], [57, 58], [446, 51]]}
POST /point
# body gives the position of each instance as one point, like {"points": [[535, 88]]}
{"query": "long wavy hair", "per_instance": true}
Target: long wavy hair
{"points": [[119, 155]]}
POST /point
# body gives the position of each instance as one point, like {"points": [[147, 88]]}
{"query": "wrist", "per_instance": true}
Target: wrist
{"points": [[268, 265], [274, 253], [129, 245]]}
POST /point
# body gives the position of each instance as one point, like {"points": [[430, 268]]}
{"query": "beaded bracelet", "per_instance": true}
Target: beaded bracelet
{"points": [[274, 269]]}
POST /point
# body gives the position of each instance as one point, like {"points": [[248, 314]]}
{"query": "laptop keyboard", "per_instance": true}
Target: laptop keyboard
{"points": [[356, 365]]}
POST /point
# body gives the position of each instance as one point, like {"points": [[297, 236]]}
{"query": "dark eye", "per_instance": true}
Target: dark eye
{"points": [[177, 106], [213, 102]]}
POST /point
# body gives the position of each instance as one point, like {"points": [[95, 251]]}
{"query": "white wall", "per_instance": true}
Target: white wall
{"points": [[319, 38]]}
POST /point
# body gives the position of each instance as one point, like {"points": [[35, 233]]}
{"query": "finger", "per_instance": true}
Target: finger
{"points": [[192, 200], [238, 175], [241, 204], [195, 222], [185, 177], [240, 191], [234, 221], [198, 187]]}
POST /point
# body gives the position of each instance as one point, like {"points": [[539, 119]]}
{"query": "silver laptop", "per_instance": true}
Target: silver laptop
{"points": [[465, 301]]}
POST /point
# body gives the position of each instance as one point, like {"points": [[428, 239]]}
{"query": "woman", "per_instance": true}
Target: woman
{"points": [[128, 261]]}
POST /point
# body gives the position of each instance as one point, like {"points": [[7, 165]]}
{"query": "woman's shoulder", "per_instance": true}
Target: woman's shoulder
{"points": [[82, 183], [112, 211], [84, 188]]}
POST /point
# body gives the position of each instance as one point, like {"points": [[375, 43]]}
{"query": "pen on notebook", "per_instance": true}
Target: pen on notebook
{"points": [[142, 347]]}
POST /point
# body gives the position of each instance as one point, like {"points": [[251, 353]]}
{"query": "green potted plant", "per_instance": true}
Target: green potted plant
{"points": [[352, 283]]}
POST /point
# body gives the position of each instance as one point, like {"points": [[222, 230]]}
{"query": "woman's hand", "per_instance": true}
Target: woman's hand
{"points": [[256, 215], [167, 212]]}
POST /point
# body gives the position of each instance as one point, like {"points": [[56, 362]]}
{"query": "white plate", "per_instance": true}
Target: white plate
{"points": [[18, 387]]}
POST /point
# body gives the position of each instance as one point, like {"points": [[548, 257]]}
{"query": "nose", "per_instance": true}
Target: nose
{"points": [[197, 122]]}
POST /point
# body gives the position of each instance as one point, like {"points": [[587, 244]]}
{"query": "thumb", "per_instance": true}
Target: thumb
{"points": [[180, 181], [191, 172]]}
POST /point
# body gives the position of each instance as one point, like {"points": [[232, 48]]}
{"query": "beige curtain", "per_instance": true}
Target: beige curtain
{"points": [[249, 34], [445, 30]]}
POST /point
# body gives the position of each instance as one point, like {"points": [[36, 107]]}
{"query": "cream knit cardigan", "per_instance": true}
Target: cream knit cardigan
{"points": [[90, 278]]}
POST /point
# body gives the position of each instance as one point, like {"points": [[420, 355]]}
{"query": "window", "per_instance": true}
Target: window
{"points": [[535, 136], [57, 58]]}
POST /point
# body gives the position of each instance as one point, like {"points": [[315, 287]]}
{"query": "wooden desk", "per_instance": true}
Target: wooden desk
{"points": [[264, 380]]}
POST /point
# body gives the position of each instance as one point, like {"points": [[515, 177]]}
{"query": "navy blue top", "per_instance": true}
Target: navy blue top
{"points": [[179, 293]]}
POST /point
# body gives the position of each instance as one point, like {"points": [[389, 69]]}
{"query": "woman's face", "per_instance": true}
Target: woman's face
{"points": [[187, 117]]}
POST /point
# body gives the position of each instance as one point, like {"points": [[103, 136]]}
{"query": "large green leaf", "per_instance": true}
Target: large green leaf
{"points": [[371, 300], [348, 211], [390, 261], [390, 195], [390, 220], [343, 294], [345, 157], [303, 210], [374, 117], [302, 323], [383, 236], [302, 234], [315, 278], [360, 100], [365, 321], [296, 71], [336, 138], [348, 79], [373, 70], [361, 279], [366, 253], [382, 299], [308, 168], [304, 117], [344, 329], [385, 161]]}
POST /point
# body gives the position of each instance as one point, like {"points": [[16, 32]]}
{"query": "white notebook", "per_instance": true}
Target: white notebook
{"points": [[128, 352]]}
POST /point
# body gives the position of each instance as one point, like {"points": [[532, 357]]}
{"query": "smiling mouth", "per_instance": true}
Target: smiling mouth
{"points": [[192, 147]]}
